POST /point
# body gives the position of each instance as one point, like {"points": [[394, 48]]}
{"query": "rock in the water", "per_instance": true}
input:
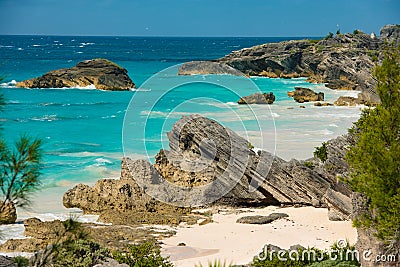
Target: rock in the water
{"points": [[258, 98], [207, 67], [301, 95], [102, 73], [349, 101], [262, 219], [8, 213]]}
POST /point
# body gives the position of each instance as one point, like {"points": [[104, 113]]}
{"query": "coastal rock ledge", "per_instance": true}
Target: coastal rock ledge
{"points": [[275, 181], [100, 73]]}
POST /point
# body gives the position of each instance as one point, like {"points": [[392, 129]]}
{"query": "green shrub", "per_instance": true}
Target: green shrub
{"points": [[337, 256], [80, 253], [375, 158], [308, 164], [20, 261], [321, 152], [143, 255], [329, 36], [216, 263], [356, 32]]}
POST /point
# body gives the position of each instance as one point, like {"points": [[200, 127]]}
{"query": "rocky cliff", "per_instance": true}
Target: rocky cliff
{"points": [[342, 62], [102, 73], [214, 166]]}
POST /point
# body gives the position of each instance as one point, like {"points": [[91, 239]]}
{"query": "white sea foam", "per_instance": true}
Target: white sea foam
{"points": [[89, 87], [102, 162], [8, 84], [6, 46], [20, 48]]}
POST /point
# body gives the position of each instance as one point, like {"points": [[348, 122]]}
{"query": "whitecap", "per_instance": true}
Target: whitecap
{"points": [[20, 49], [6, 46], [275, 115], [102, 162], [9, 84], [79, 52]]}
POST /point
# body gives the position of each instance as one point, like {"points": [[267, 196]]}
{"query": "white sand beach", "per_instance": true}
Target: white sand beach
{"points": [[224, 239]]}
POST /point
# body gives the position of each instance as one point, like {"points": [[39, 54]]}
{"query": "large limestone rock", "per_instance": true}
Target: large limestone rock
{"points": [[8, 213], [257, 98], [391, 33], [349, 101], [207, 164], [102, 73], [301, 95]]}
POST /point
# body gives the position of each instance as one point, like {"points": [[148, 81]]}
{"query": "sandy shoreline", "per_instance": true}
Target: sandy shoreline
{"points": [[224, 239]]}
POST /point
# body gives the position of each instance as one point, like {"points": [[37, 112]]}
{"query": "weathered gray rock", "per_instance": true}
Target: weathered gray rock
{"points": [[301, 95], [6, 262], [390, 33], [258, 98], [207, 164], [257, 219], [111, 263], [101, 73], [8, 213]]}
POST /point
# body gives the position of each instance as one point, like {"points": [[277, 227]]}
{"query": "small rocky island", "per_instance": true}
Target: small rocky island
{"points": [[100, 73], [301, 95]]}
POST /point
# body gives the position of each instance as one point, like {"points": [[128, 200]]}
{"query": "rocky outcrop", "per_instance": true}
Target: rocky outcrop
{"points": [[349, 101], [39, 234], [8, 213], [207, 67], [7, 262], [102, 73], [301, 95], [257, 98], [391, 33], [344, 62], [207, 164], [257, 219]]}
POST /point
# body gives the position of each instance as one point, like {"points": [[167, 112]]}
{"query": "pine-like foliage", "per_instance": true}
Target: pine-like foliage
{"points": [[375, 157]]}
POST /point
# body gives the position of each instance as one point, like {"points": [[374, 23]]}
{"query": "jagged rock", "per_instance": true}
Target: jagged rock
{"points": [[301, 95], [207, 67], [262, 219], [6, 262], [391, 33], [339, 205], [348, 101], [258, 98], [102, 73], [207, 164], [8, 213], [343, 62]]}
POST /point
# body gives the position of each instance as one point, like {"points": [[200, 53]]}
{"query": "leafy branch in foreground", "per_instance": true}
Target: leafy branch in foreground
{"points": [[20, 171], [375, 157]]}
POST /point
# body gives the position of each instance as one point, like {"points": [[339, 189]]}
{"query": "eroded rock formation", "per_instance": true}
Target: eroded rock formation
{"points": [[257, 98], [301, 95], [102, 73], [208, 164]]}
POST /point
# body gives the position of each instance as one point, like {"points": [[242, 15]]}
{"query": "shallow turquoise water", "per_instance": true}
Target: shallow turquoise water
{"points": [[82, 129]]}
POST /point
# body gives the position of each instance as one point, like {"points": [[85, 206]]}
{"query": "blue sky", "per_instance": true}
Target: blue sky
{"points": [[195, 17]]}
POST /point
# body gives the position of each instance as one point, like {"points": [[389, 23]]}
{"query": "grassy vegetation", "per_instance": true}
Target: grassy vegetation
{"points": [[321, 152]]}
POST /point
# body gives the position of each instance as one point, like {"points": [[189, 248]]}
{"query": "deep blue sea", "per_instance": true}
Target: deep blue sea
{"points": [[82, 128]]}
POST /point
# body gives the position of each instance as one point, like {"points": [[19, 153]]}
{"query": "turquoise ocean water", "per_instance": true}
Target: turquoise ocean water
{"points": [[82, 128]]}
